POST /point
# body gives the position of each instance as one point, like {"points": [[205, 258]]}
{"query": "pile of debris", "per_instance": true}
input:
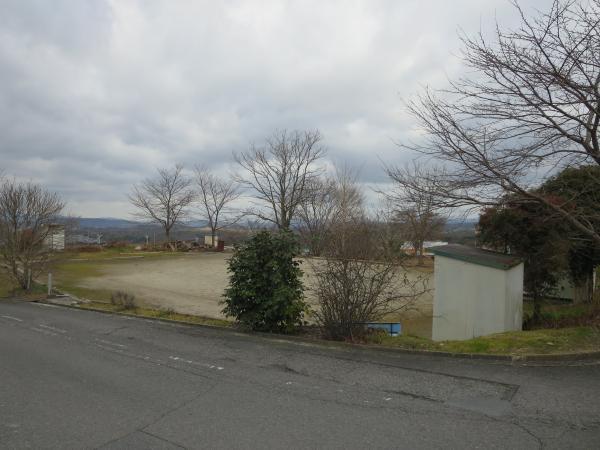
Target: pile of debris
{"points": [[192, 246]]}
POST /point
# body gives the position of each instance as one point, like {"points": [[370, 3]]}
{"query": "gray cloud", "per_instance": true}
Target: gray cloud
{"points": [[94, 95]]}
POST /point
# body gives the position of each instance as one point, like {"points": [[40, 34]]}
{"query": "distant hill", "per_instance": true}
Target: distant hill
{"points": [[113, 223], [458, 224], [461, 231], [106, 222], [194, 223]]}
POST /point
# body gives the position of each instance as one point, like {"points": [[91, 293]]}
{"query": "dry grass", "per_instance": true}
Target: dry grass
{"points": [[156, 313]]}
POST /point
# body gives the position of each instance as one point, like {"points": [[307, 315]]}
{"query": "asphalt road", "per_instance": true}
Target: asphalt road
{"points": [[80, 379]]}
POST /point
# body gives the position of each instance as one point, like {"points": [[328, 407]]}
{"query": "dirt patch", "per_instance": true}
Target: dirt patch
{"points": [[194, 284], [191, 284]]}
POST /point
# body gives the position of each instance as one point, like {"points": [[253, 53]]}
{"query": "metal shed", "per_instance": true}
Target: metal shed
{"points": [[477, 292]]}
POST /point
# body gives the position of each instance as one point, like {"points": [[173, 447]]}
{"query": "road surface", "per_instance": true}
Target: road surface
{"points": [[79, 379]]}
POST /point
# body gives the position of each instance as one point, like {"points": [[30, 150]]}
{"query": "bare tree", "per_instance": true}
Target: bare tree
{"points": [[361, 278], [329, 202], [414, 204], [216, 196], [316, 214], [163, 199], [280, 172], [27, 213], [530, 106]]}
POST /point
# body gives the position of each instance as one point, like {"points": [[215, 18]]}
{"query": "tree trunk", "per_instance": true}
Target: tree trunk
{"points": [[168, 236], [419, 252]]}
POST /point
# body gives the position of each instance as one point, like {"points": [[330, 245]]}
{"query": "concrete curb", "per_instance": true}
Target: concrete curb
{"points": [[345, 346]]}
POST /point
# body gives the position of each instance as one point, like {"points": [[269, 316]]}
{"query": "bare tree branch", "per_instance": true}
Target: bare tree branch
{"points": [[361, 277], [414, 203], [530, 107], [216, 196], [27, 212], [164, 199], [280, 172]]}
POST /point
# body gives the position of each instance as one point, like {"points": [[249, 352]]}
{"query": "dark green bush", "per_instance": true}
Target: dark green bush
{"points": [[265, 284]]}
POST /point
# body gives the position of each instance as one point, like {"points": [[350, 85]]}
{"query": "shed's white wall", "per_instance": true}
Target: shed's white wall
{"points": [[472, 300], [514, 298]]}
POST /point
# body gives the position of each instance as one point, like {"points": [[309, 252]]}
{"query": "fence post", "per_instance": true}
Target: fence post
{"points": [[49, 284]]}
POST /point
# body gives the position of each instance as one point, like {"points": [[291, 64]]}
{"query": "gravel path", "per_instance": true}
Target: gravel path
{"points": [[194, 284]]}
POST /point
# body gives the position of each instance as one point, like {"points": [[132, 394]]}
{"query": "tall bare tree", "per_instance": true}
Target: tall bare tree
{"points": [[316, 214], [414, 204], [27, 213], [530, 106], [360, 279], [164, 199], [216, 195], [280, 172], [330, 201]]}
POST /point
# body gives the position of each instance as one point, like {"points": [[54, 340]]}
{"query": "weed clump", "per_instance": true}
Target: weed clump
{"points": [[123, 300]]}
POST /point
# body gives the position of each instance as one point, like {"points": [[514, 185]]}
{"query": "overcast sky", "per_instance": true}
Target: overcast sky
{"points": [[94, 95]]}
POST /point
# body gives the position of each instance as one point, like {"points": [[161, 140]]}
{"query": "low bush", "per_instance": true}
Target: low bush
{"points": [[121, 245], [563, 315], [123, 300]]}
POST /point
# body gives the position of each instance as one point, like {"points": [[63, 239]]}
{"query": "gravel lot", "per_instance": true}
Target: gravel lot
{"points": [[194, 284]]}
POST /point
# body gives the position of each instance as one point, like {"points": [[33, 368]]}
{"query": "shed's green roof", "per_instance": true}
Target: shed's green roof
{"points": [[478, 256]]}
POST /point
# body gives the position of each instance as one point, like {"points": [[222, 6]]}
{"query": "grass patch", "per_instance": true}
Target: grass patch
{"points": [[157, 313], [542, 341], [556, 314], [9, 289], [68, 276], [6, 285], [116, 254]]}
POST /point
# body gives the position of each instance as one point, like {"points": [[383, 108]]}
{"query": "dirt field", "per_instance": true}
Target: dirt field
{"points": [[194, 284]]}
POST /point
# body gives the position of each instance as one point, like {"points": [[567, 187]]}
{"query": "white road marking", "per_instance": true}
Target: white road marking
{"points": [[46, 332], [189, 361], [111, 343], [13, 318], [45, 304], [60, 330]]}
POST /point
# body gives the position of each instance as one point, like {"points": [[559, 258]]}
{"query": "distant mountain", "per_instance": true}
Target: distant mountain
{"points": [[112, 223], [466, 224], [195, 223], [106, 222]]}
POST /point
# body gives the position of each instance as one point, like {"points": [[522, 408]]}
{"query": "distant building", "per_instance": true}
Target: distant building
{"points": [[408, 248], [81, 239], [55, 239], [208, 241]]}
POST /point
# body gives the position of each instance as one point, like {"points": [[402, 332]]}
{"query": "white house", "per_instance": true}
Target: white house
{"points": [[208, 240], [55, 238], [477, 292]]}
